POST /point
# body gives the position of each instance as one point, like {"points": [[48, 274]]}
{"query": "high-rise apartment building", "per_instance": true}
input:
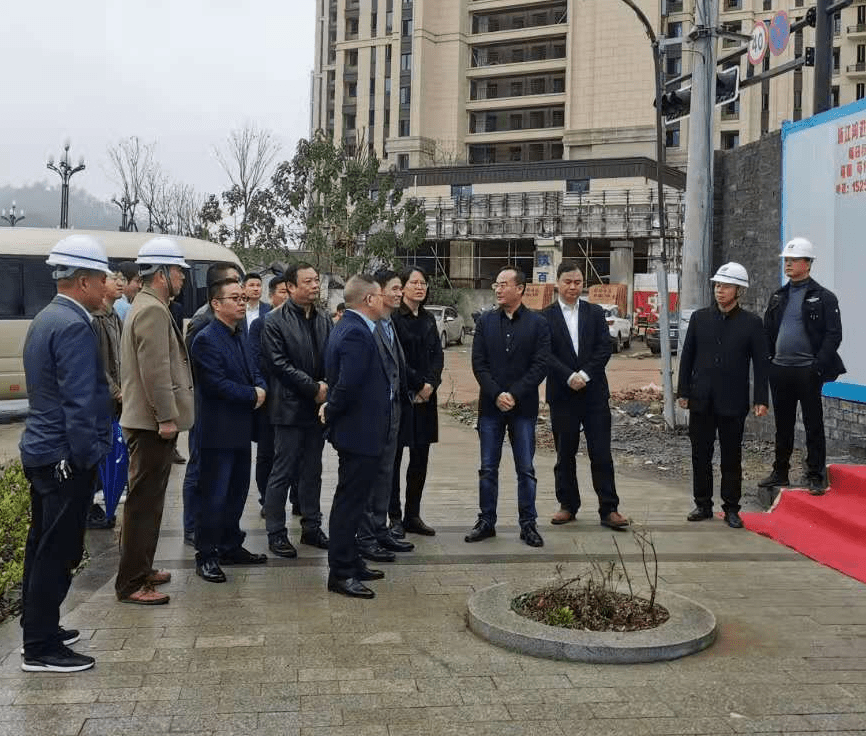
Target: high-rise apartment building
{"points": [[522, 123]]}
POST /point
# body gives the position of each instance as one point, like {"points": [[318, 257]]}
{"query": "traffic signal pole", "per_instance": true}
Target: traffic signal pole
{"points": [[698, 229]]}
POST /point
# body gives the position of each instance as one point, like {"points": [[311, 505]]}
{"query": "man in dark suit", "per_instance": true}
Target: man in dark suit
{"points": [[721, 343], [510, 351], [357, 417], [264, 430], [577, 394], [374, 537], [228, 390], [256, 308], [66, 434], [216, 273]]}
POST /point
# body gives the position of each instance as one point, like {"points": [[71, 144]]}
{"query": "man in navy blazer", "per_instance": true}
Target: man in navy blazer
{"points": [[577, 394], [66, 434], [357, 415], [229, 389]]}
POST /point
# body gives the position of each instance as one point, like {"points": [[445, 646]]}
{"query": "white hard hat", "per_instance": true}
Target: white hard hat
{"points": [[160, 252], [798, 248], [731, 273], [77, 252]]}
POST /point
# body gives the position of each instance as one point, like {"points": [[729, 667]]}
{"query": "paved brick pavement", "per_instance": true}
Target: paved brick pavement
{"points": [[271, 652]]}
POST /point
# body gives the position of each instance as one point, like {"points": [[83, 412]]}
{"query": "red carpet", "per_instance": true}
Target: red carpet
{"points": [[830, 529]]}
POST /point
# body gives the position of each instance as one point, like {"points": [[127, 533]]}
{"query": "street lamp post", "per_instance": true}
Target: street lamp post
{"points": [[65, 171], [12, 218], [127, 213], [662, 272]]}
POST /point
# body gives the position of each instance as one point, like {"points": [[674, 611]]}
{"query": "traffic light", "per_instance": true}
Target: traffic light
{"points": [[676, 105], [727, 85], [810, 56]]}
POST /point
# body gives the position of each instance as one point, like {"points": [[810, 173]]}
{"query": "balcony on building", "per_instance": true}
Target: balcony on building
{"points": [[517, 52], [515, 86], [499, 21], [858, 30], [856, 70]]}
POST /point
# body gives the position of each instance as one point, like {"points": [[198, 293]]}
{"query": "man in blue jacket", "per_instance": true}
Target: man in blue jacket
{"points": [[803, 329], [229, 389], [357, 415], [510, 352], [66, 434]]}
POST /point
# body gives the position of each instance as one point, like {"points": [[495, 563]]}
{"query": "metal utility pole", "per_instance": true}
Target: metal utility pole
{"points": [[698, 230], [823, 56], [662, 270]]}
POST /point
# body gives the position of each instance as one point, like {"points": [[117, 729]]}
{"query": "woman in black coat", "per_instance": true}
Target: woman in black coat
{"points": [[419, 428]]}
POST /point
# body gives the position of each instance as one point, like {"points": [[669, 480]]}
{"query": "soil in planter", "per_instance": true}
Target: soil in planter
{"points": [[589, 609]]}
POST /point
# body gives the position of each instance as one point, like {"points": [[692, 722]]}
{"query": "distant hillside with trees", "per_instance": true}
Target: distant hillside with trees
{"points": [[41, 205]]}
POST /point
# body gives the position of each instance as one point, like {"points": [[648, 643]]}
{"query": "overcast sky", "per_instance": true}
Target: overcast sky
{"points": [[180, 73]]}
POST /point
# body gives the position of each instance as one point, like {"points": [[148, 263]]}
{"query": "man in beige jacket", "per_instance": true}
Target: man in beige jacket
{"points": [[157, 390]]}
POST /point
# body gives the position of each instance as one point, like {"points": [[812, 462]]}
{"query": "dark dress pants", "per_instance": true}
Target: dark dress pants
{"points": [[297, 462], [596, 424], [190, 482], [355, 476], [224, 484], [374, 520], [791, 385], [703, 427], [416, 477], [150, 461], [55, 545], [264, 453]]}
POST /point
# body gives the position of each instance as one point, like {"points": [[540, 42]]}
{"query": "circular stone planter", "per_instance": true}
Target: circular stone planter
{"points": [[690, 628]]}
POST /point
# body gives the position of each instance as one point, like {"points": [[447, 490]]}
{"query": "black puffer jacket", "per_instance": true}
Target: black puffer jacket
{"points": [[823, 326], [295, 358]]}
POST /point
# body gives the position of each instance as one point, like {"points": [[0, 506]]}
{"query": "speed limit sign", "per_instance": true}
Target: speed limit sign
{"points": [[758, 43]]}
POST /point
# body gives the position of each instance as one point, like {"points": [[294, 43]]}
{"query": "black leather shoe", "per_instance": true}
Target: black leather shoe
{"points": [[315, 538], [189, 539], [815, 484], [733, 520], [530, 535], [367, 573], [210, 571], [481, 530], [296, 510], [414, 525], [774, 479], [377, 553], [351, 587], [395, 545], [397, 530], [242, 556], [177, 458], [282, 547], [699, 514]]}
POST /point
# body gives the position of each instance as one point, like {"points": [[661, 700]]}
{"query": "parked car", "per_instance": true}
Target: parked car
{"points": [[620, 327], [449, 324], [653, 342]]}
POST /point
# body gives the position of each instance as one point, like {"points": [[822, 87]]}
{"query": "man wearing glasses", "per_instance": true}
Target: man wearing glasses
{"points": [[510, 352], [228, 390]]}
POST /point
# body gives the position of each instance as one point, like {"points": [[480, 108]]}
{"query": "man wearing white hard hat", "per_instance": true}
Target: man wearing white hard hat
{"points": [[721, 343], [156, 383], [804, 330], [66, 434]]}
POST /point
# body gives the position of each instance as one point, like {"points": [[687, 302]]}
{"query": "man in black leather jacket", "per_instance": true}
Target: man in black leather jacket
{"points": [[804, 331], [293, 346]]}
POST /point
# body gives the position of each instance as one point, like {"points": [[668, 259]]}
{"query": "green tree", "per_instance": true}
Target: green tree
{"points": [[349, 216]]}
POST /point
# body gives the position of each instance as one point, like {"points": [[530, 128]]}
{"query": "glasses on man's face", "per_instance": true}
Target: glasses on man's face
{"points": [[237, 299], [501, 285], [421, 284]]}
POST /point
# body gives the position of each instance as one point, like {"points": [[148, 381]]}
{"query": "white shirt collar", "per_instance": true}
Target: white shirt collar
{"points": [[77, 304]]}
